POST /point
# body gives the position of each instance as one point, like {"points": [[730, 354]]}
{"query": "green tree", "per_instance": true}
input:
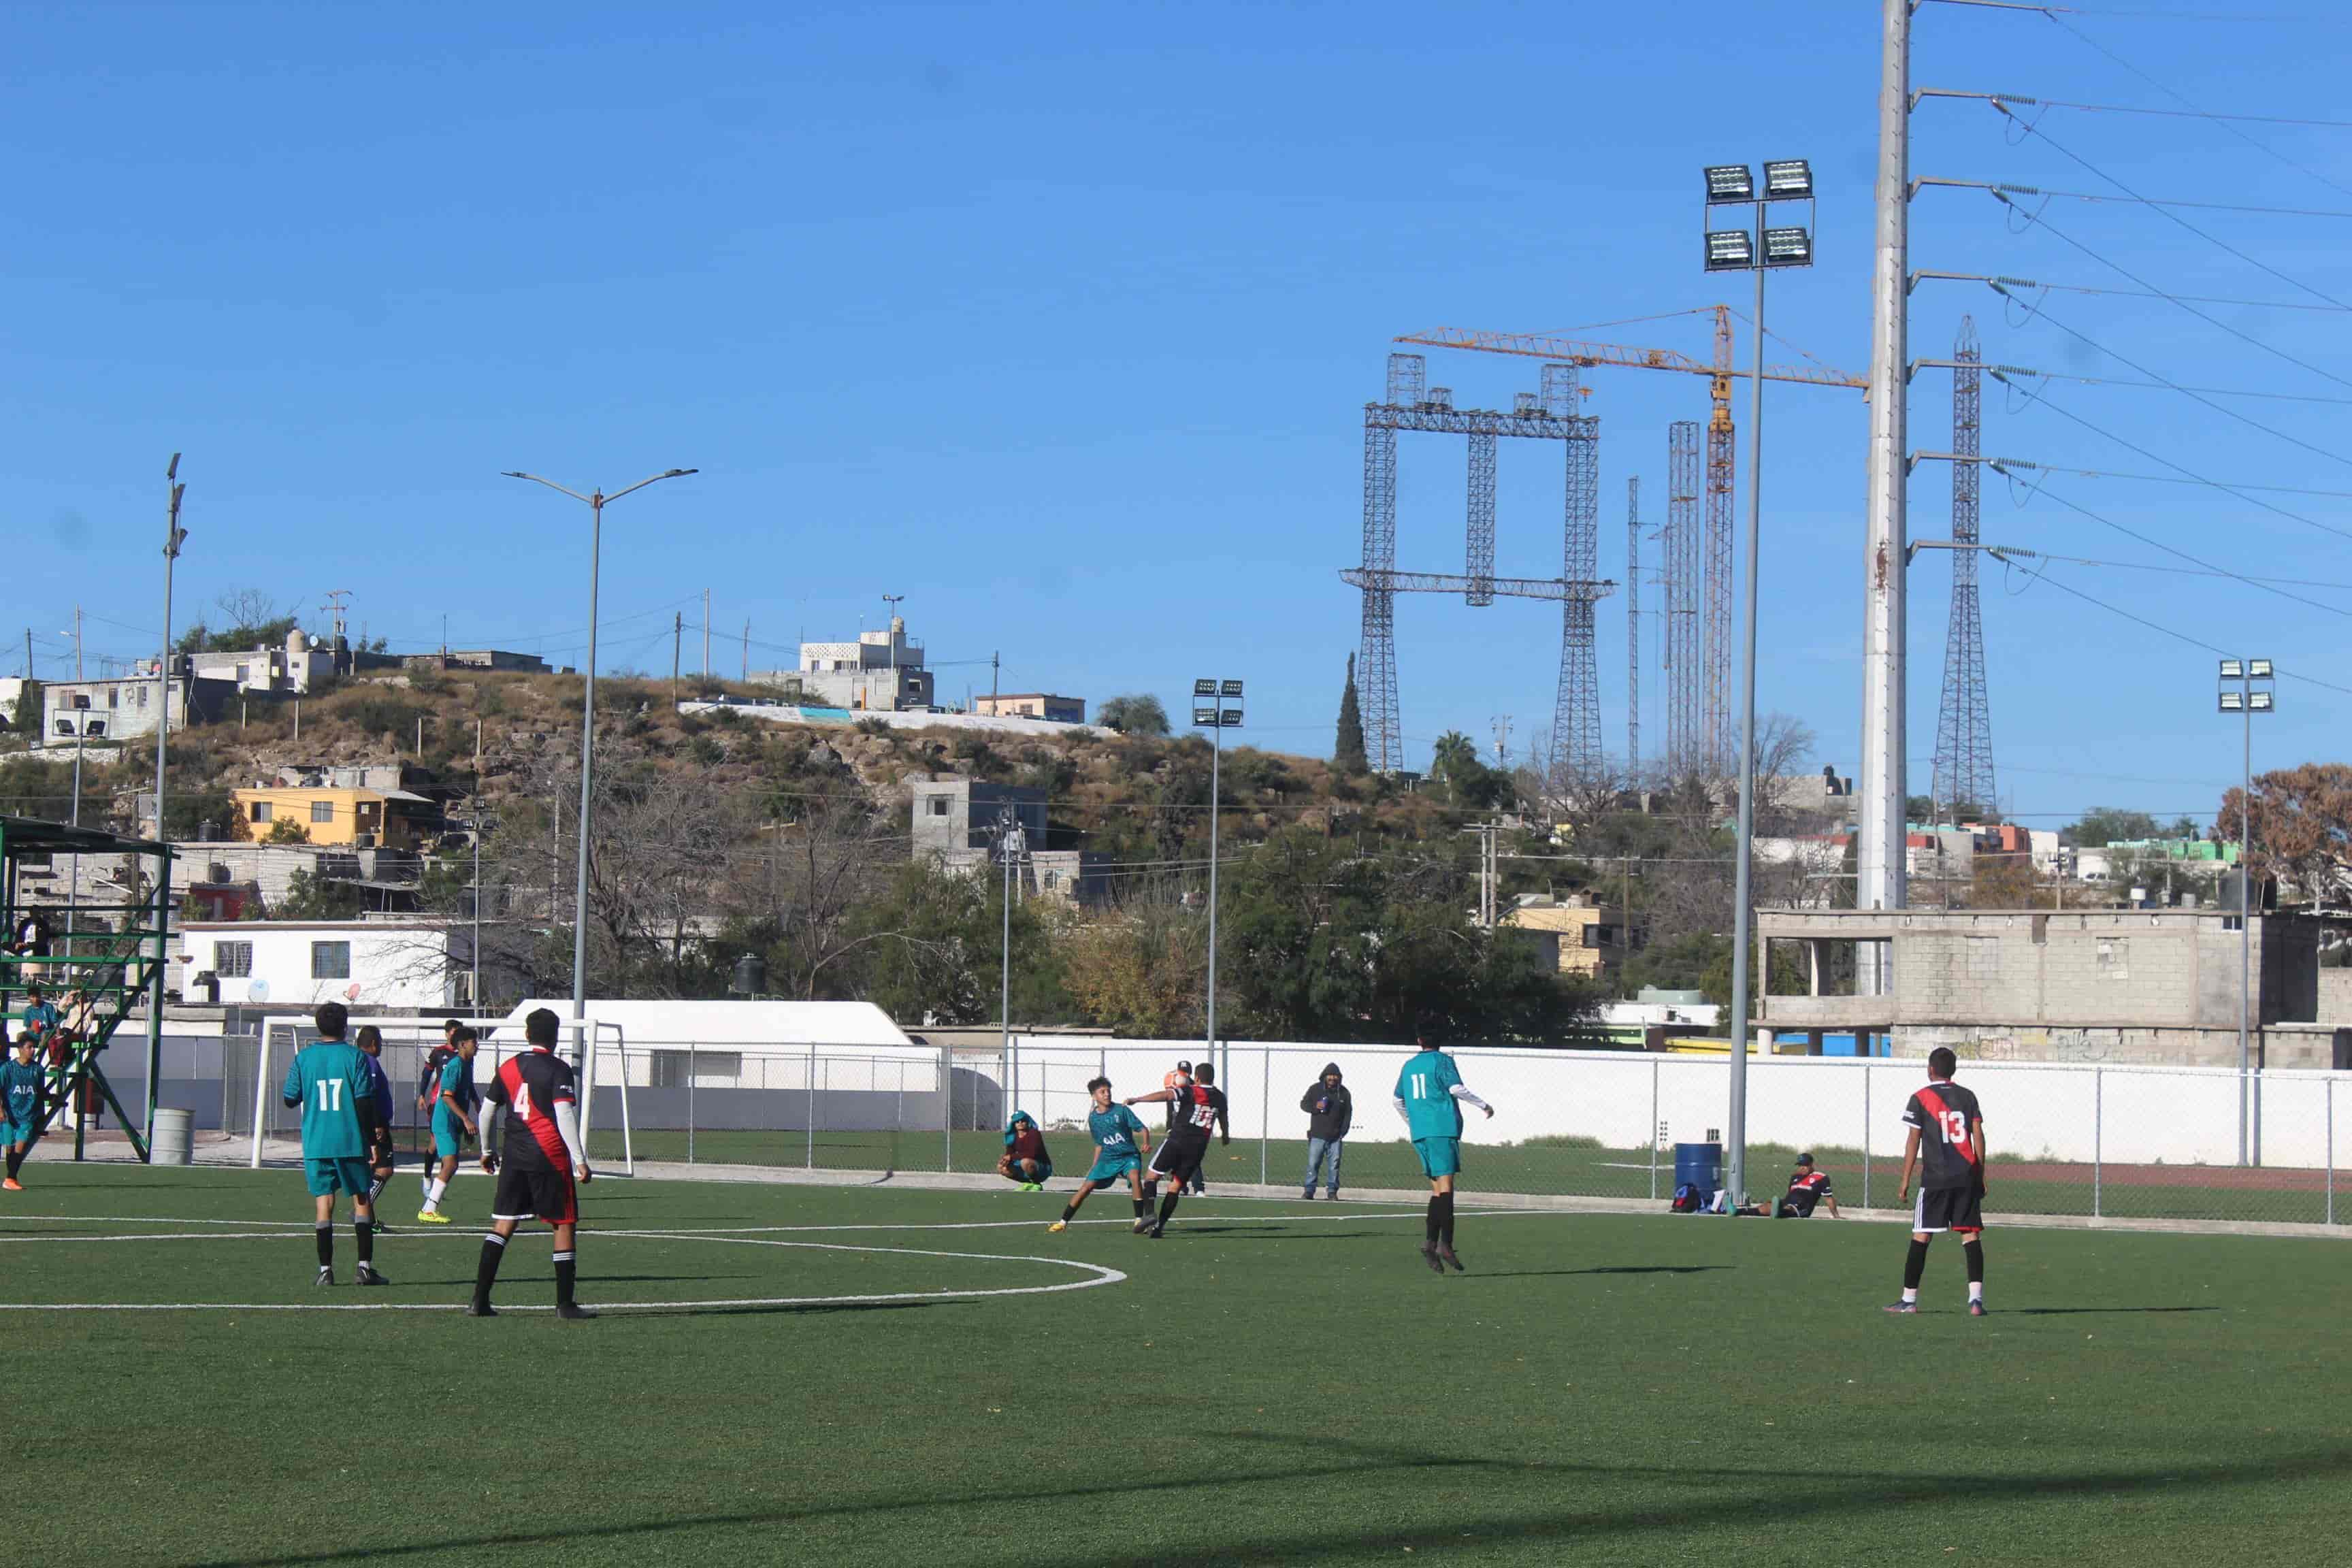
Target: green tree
{"points": [[313, 897], [1348, 757], [1135, 713], [2104, 825]]}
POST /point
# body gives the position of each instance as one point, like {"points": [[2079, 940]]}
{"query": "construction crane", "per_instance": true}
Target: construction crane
{"points": [[1705, 681]]}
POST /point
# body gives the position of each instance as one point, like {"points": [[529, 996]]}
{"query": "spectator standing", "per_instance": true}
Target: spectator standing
{"points": [[1330, 1112], [30, 940]]}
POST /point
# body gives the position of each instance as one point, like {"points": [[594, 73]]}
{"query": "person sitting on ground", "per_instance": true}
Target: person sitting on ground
{"points": [[1808, 1186], [1024, 1162]]}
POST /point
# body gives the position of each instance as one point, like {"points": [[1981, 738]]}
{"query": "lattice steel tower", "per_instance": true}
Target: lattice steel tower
{"points": [[1722, 728], [1685, 738], [1964, 777]]}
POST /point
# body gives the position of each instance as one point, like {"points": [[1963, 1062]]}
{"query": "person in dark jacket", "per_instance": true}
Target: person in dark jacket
{"points": [[1330, 1111]]}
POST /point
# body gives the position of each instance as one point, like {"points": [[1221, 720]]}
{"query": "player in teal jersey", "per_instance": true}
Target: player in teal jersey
{"points": [[342, 1123], [453, 1119], [1120, 1141], [22, 1081], [1427, 1090]]}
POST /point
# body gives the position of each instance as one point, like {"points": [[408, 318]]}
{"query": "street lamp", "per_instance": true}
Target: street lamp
{"points": [[2242, 696], [597, 501], [890, 628], [1785, 180], [1012, 843], [1209, 713]]}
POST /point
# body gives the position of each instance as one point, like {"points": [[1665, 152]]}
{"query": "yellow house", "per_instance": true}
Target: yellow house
{"points": [[1591, 936], [364, 817]]}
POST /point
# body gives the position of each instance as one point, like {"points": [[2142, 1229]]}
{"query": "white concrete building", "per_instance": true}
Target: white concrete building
{"points": [[881, 671], [368, 964]]}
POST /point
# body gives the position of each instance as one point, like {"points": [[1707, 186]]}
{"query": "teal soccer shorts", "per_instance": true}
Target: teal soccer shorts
{"points": [[448, 1133], [15, 1133], [1109, 1171], [1439, 1156], [328, 1177]]}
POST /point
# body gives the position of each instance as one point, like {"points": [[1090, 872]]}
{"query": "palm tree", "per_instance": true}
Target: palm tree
{"points": [[1453, 750]]}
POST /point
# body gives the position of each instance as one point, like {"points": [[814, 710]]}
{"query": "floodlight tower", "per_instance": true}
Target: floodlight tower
{"points": [[1786, 181], [2242, 696]]}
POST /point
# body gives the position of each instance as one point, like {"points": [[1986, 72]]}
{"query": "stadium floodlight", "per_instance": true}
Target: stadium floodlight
{"points": [[1729, 183], [1204, 689], [1229, 688], [2258, 669], [2232, 702], [1729, 250], [2234, 669], [1204, 718], [1216, 717], [2259, 702], [1788, 246], [1231, 719], [1787, 180]]}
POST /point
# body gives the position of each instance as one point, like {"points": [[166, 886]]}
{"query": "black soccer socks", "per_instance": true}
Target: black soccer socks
{"points": [[1914, 1264], [1430, 1223], [326, 1246], [15, 1162], [1142, 1207], [486, 1274], [1067, 1211], [363, 1232], [1168, 1205], [1973, 1250], [566, 1269], [1444, 1202]]}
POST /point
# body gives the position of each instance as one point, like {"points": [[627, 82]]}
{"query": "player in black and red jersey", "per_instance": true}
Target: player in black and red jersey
{"points": [[1196, 1108], [1947, 1151], [1809, 1187], [543, 1159]]}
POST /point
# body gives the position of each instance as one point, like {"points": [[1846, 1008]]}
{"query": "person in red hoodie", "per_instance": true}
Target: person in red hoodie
{"points": [[1024, 1161]]}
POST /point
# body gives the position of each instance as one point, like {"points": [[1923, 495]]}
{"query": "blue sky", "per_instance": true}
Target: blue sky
{"points": [[1058, 321]]}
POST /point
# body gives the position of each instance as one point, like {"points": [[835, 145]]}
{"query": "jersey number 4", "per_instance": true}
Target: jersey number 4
{"points": [[330, 1093], [1955, 1125]]}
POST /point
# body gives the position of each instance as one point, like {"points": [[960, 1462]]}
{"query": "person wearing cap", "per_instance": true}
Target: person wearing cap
{"points": [[1808, 1186], [1330, 1111], [1024, 1161]]}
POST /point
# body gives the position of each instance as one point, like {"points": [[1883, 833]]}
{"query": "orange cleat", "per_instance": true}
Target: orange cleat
{"points": [[11, 1185]]}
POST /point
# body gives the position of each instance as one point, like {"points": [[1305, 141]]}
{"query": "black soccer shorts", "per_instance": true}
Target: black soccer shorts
{"points": [[548, 1195], [1179, 1159], [1939, 1209]]}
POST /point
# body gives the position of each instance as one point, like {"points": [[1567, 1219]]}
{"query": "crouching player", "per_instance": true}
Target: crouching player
{"points": [[1026, 1161], [452, 1099], [1120, 1142], [22, 1081]]}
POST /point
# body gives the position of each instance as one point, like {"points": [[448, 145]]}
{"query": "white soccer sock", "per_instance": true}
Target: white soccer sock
{"points": [[1976, 1290], [433, 1191], [1910, 1295]]}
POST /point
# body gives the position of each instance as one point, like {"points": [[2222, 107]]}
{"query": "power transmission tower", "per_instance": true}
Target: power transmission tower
{"points": [[1686, 741], [1551, 415], [1964, 775], [1634, 628]]}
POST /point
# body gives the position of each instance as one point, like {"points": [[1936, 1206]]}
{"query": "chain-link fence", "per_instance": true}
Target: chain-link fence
{"points": [[2120, 1141]]}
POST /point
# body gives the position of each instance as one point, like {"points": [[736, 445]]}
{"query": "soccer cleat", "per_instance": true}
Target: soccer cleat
{"points": [[1976, 1308], [1033, 1186], [1158, 1231], [1903, 1307], [431, 1216], [368, 1276], [1429, 1256], [1058, 1227], [326, 1275], [1143, 1226], [1446, 1255], [480, 1310], [13, 1184], [382, 1229], [572, 1310]]}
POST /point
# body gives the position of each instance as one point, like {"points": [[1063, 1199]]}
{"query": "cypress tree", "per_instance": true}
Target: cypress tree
{"points": [[1348, 753]]}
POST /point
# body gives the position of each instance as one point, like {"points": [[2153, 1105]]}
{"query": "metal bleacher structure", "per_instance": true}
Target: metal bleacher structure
{"points": [[110, 968]]}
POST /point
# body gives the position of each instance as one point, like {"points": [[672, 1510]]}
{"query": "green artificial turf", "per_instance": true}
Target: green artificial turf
{"points": [[1273, 1383], [1546, 1168]]}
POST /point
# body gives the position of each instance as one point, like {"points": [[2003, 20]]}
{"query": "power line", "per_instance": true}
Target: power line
{"points": [[2165, 213], [1926, 92], [2178, 635], [1928, 276], [2011, 188], [2054, 11]]}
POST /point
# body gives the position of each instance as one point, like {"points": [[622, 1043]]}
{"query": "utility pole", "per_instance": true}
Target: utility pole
{"points": [[77, 642], [890, 630], [1879, 848], [1502, 741], [474, 986], [174, 537], [705, 634], [677, 636], [991, 677], [747, 653]]}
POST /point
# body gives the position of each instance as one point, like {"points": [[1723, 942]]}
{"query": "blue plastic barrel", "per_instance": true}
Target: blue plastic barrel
{"points": [[1699, 1165]]}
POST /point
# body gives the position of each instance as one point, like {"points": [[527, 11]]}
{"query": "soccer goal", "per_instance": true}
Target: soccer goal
{"points": [[598, 1051]]}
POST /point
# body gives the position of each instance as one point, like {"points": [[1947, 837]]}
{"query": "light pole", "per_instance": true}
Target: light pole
{"points": [[890, 629], [1216, 717], [1012, 844], [2242, 696], [1739, 250], [597, 501], [174, 537]]}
